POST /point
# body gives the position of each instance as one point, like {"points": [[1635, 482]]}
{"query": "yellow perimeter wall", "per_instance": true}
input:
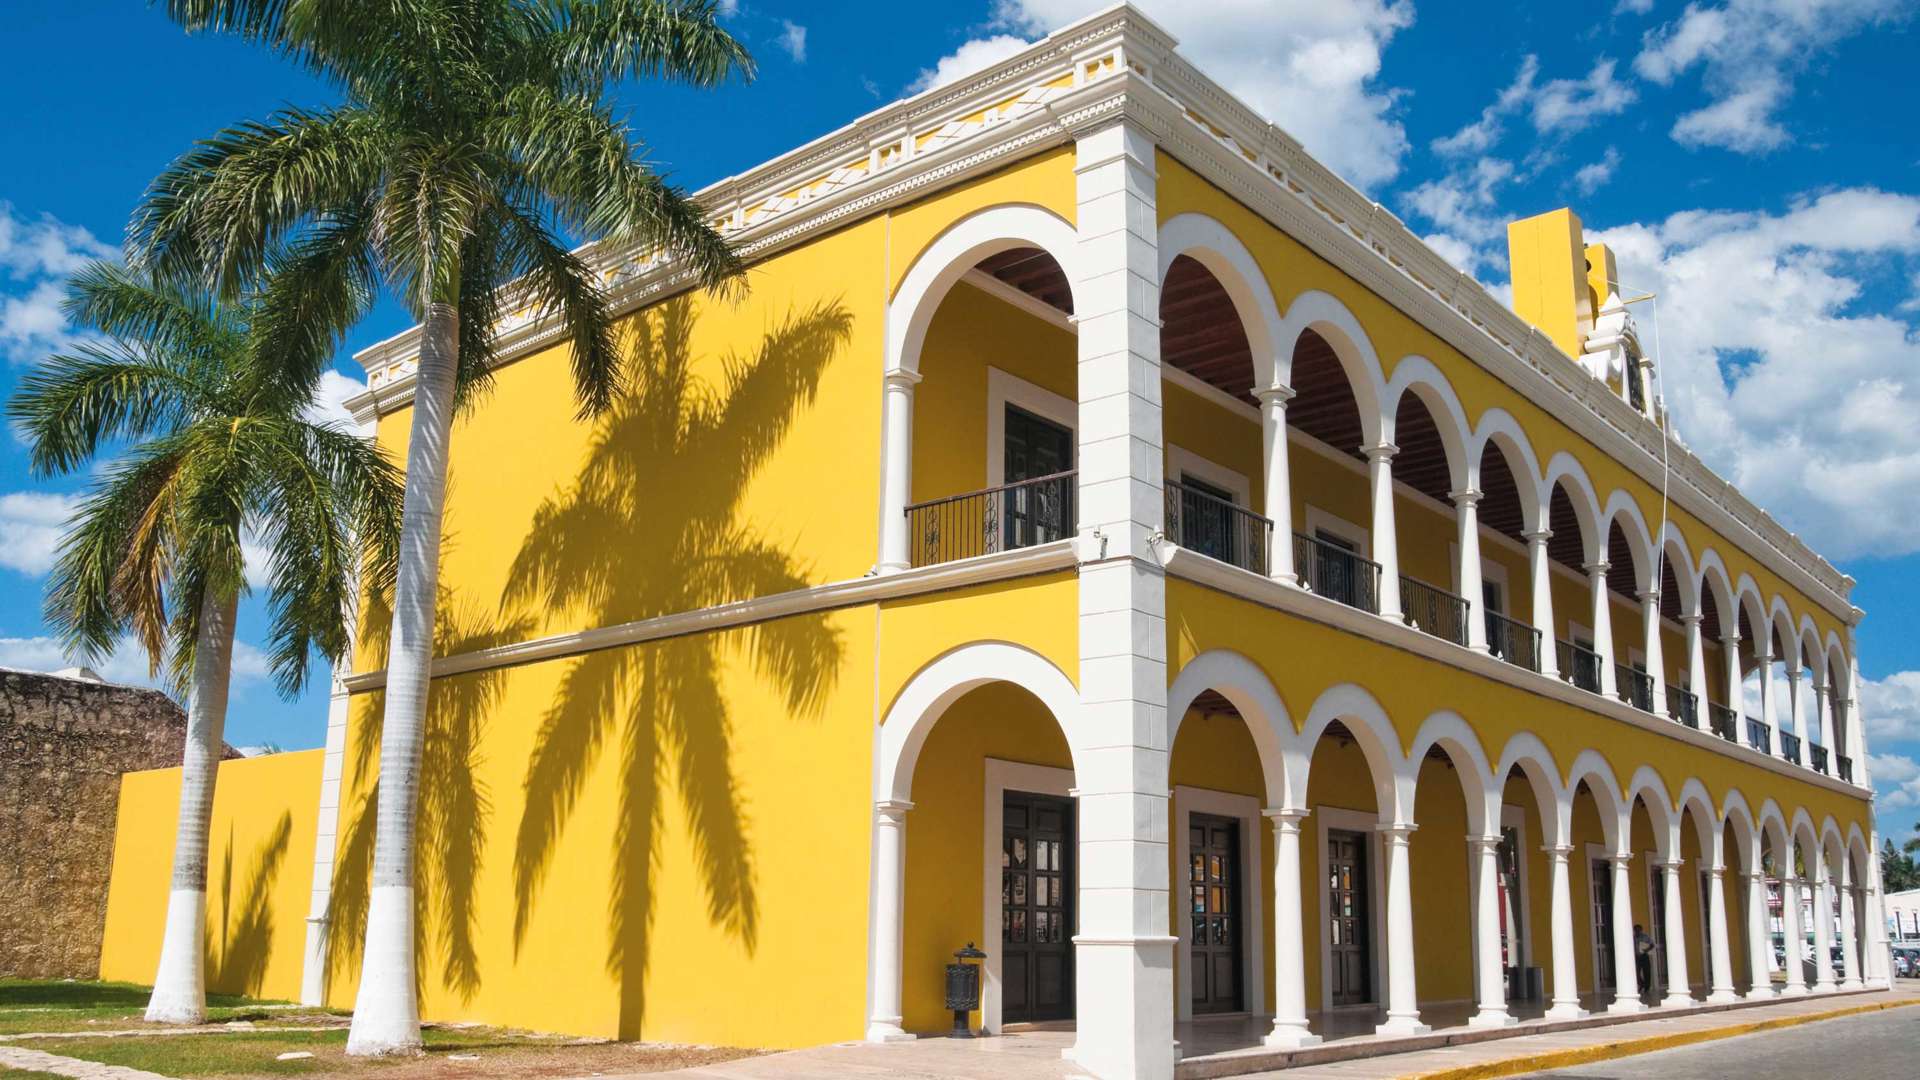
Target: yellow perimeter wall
{"points": [[259, 873]]}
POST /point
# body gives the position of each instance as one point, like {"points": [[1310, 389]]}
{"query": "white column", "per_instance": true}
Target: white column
{"points": [[1403, 1011], [889, 889], [896, 469], [1654, 648], [1289, 958], [1793, 712], [1541, 573], [1603, 625], [1626, 984], [1386, 548], [1466, 505], [1819, 723], [1566, 975], [1279, 480], [1764, 658], [1822, 931], [1492, 1012], [1696, 665], [1849, 936], [1730, 646], [1123, 951], [1679, 993], [1793, 933], [1719, 942], [1759, 937]]}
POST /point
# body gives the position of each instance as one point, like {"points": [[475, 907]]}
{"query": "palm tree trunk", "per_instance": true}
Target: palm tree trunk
{"points": [[179, 986], [386, 1015]]}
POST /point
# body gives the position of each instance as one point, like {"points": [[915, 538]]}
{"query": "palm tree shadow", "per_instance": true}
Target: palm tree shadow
{"points": [[454, 809], [237, 963], [646, 529]]}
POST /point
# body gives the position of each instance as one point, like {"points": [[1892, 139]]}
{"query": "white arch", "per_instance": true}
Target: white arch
{"points": [[1673, 545], [1694, 797], [1746, 830], [1497, 426], [1813, 659], [1326, 316], [1772, 822], [920, 704], [1780, 619], [1661, 815], [1749, 601], [1456, 737], [1419, 376], [1623, 508], [1580, 494], [1804, 838], [1591, 767], [1360, 714], [1525, 751], [1243, 683], [1214, 246], [1712, 577], [959, 249]]}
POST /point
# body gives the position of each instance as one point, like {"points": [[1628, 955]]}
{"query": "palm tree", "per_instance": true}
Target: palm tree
{"points": [[215, 451], [470, 134]]}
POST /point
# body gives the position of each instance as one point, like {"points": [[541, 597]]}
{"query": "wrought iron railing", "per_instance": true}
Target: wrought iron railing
{"points": [[1515, 642], [1434, 610], [1683, 705], [1336, 573], [1845, 765], [1790, 746], [1580, 666], [1016, 515], [1817, 757], [1757, 733], [1213, 526], [1725, 722], [1636, 686]]}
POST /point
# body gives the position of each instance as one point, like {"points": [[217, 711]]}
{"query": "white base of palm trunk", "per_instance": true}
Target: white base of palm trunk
{"points": [[386, 1015], [179, 989]]}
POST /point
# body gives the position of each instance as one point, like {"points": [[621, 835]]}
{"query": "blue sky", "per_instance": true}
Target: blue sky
{"points": [[1745, 158]]}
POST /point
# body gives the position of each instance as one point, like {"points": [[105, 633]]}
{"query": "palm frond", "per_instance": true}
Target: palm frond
{"points": [[71, 404], [591, 44]]}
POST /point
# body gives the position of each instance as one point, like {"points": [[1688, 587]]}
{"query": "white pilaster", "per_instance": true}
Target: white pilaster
{"points": [[896, 470], [1466, 505], [1759, 937], [1289, 956], [1654, 648], [1492, 1011], [1566, 977], [1603, 625], [1719, 942], [1794, 934], [889, 901], [1123, 952], [1403, 1012], [1386, 546], [1278, 479], [1540, 572], [1678, 992], [1822, 931], [1626, 984]]}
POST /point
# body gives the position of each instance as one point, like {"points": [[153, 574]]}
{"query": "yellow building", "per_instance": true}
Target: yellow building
{"points": [[1102, 535]]}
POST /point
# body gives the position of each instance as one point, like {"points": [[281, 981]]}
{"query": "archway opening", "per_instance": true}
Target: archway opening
{"points": [[1424, 521], [1332, 511], [1343, 884], [1591, 833]]}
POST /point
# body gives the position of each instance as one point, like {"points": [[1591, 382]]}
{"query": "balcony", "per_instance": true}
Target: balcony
{"points": [[1683, 705], [1758, 734], [1580, 666], [1212, 526], [1515, 642], [1636, 687], [1434, 610], [1845, 764], [1724, 722], [1817, 758], [1005, 518], [1336, 573], [1790, 746]]}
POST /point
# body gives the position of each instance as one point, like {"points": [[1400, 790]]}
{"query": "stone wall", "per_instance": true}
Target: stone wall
{"points": [[63, 744]]}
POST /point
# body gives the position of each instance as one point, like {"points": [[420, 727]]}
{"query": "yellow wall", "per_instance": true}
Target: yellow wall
{"points": [[259, 873]]}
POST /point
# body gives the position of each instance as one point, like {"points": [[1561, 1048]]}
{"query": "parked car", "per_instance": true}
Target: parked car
{"points": [[1906, 961]]}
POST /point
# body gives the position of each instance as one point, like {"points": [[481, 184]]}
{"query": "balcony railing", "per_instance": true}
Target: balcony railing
{"points": [[1636, 687], [1580, 666], [1845, 764], [1213, 526], [1017, 515], [1757, 733], [1434, 610], [1817, 757], [1515, 642], [1790, 746], [1725, 722], [1683, 706], [1336, 573]]}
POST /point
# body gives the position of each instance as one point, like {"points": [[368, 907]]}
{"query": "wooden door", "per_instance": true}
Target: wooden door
{"points": [[1350, 924], [1036, 908], [1214, 899], [1600, 875]]}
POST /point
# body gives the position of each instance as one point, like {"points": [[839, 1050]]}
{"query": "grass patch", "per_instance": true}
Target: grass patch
{"points": [[28, 1074], [30, 1005]]}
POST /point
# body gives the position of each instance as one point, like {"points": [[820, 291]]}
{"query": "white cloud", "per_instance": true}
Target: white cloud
{"points": [[1892, 707], [31, 525], [793, 39], [1309, 66], [1749, 52], [976, 55], [1453, 249], [1774, 371], [1594, 176], [330, 402], [37, 256], [727, 9], [126, 664], [1463, 205], [1896, 780], [1633, 7], [1558, 107]]}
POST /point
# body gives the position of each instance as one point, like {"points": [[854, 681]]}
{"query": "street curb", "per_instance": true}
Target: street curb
{"points": [[1561, 1059]]}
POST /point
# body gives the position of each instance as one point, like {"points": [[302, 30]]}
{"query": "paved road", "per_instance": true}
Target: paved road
{"points": [[1876, 1046]]}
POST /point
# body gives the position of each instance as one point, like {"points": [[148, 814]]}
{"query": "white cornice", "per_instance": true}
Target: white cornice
{"points": [[1118, 64]]}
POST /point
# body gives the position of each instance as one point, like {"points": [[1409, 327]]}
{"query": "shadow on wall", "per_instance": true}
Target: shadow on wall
{"points": [[660, 491], [451, 822], [242, 937]]}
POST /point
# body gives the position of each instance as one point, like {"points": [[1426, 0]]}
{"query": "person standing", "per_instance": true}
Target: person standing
{"points": [[1643, 958]]}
